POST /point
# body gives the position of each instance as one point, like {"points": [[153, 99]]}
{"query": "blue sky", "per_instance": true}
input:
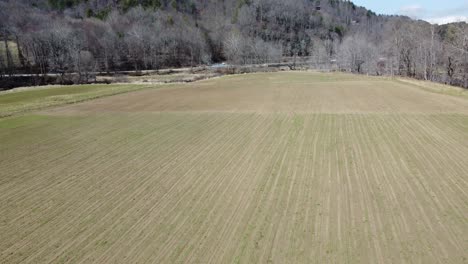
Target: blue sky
{"points": [[435, 11]]}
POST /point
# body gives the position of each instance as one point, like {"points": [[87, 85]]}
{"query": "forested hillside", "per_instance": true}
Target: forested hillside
{"points": [[60, 36]]}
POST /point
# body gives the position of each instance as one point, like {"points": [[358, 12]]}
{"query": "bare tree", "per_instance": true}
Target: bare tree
{"points": [[358, 55], [103, 35], [234, 47]]}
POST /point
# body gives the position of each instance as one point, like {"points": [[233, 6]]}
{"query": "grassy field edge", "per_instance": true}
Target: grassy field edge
{"points": [[45, 102]]}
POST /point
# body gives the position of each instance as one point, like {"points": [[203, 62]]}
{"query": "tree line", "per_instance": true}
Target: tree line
{"points": [[83, 36]]}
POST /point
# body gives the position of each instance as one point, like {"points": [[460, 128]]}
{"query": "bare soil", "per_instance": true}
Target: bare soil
{"points": [[260, 168], [284, 93]]}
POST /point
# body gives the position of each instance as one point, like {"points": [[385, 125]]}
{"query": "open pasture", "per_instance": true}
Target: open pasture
{"points": [[293, 167]]}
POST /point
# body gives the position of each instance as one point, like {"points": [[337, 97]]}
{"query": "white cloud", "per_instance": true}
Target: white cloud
{"points": [[447, 19], [441, 16], [413, 11]]}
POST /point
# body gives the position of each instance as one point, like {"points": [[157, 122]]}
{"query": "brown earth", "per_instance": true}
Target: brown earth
{"points": [[284, 93], [261, 168]]}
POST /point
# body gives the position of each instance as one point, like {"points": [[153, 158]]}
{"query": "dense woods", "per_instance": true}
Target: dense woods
{"points": [[85, 36]]}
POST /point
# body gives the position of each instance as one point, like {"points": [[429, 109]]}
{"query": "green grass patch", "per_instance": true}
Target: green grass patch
{"points": [[19, 101], [20, 121], [437, 88]]}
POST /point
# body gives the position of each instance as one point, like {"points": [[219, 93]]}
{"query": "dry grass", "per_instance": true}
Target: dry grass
{"points": [[157, 78], [14, 52], [272, 172]]}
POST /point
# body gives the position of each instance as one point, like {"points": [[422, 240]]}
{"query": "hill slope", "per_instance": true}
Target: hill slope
{"points": [[75, 35]]}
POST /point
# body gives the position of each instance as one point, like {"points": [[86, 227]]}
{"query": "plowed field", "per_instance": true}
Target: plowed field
{"points": [[261, 168]]}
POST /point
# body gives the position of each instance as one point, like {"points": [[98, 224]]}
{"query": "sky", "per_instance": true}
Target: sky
{"points": [[434, 11]]}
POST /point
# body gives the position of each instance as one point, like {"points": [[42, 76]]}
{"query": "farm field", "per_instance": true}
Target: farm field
{"points": [[294, 167], [22, 100]]}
